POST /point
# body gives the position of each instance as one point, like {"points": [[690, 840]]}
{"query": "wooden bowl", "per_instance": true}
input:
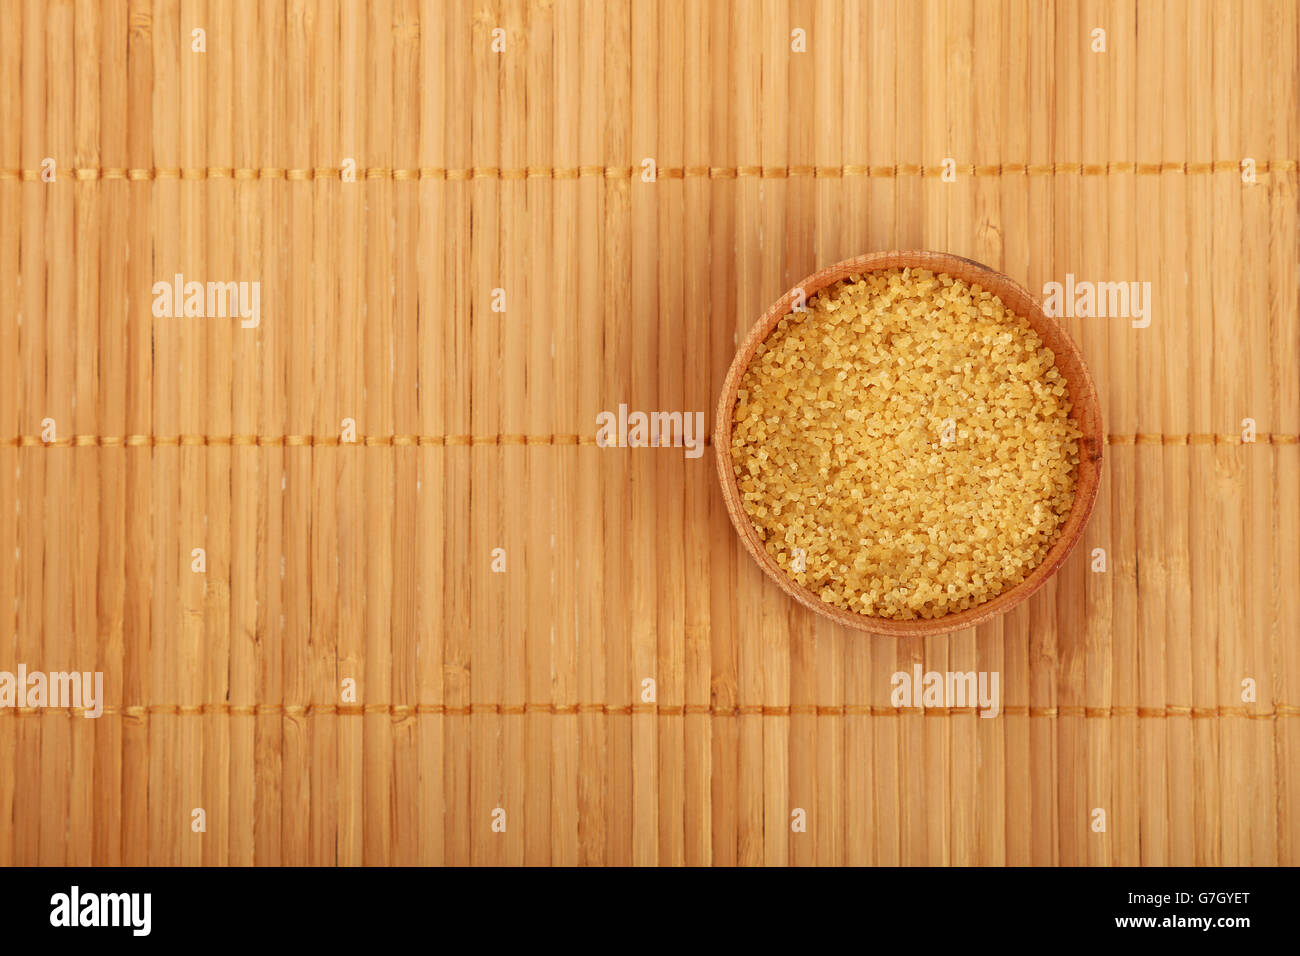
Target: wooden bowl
{"points": [[1085, 411]]}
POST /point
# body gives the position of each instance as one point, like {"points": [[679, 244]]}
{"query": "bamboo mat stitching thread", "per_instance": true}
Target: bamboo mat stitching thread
{"points": [[661, 710], [297, 441], [845, 170]]}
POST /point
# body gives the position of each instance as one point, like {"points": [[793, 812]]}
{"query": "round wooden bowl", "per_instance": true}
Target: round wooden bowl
{"points": [[1085, 411]]}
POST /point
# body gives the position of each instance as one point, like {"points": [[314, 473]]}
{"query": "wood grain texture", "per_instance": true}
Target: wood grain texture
{"points": [[630, 688]]}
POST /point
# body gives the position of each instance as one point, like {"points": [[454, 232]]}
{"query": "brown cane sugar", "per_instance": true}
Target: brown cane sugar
{"points": [[904, 447]]}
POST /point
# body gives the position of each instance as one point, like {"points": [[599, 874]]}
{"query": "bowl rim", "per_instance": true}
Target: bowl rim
{"points": [[1085, 410]]}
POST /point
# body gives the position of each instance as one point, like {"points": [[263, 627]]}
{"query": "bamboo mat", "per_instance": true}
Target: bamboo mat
{"points": [[497, 273]]}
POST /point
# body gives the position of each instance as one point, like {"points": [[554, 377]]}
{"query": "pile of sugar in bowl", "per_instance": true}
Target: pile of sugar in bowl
{"points": [[904, 447]]}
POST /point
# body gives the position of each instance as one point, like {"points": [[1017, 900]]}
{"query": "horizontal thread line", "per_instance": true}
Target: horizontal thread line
{"points": [[293, 441], [661, 710], [794, 171], [330, 441], [1203, 438]]}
